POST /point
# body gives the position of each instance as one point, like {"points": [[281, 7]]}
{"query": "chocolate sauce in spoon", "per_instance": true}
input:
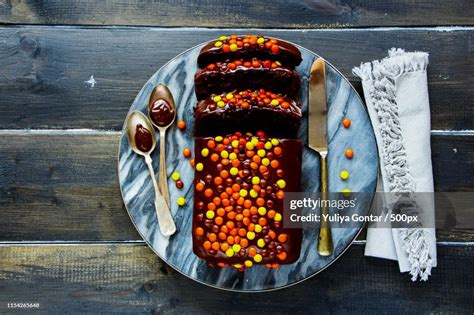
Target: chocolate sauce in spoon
{"points": [[162, 113], [143, 138]]}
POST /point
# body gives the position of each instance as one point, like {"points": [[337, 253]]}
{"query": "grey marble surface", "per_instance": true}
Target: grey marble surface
{"points": [[137, 190]]}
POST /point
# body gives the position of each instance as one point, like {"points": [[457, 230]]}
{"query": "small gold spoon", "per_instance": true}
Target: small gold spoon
{"points": [[141, 137], [162, 113]]}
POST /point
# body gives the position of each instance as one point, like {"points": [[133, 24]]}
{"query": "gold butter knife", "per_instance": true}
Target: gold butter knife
{"points": [[317, 139]]}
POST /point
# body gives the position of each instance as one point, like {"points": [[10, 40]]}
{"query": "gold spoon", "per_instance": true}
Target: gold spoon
{"points": [[162, 113], [143, 144]]}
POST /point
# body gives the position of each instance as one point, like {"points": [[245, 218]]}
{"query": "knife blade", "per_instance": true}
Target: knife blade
{"points": [[317, 140]]}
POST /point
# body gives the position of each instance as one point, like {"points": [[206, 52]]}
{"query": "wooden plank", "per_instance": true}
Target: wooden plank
{"points": [[45, 69], [240, 13], [130, 279], [64, 187]]}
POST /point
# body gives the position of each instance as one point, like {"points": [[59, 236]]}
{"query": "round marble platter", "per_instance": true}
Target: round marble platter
{"points": [[138, 196]]}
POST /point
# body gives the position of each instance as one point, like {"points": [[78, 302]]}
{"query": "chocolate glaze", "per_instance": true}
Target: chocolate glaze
{"points": [[143, 138], [211, 120], [161, 113], [288, 54], [289, 169], [221, 79]]}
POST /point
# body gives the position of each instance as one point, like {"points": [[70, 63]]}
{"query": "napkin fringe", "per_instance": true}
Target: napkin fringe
{"points": [[383, 75]]}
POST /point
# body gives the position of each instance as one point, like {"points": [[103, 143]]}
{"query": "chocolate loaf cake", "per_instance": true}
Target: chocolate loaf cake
{"points": [[248, 111], [241, 74], [247, 47], [240, 182]]}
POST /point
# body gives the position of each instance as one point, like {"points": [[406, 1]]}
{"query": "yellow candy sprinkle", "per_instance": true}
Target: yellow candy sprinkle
{"points": [[261, 152], [277, 217], [218, 43], [224, 154], [243, 193], [254, 141], [235, 143], [218, 138], [250, 235], [260, 40], [220, 104], [344, 174], [210, 214], [229, 96], [199, 167], [236, 248], [248, 263], [255, 180], [257, 258], [229, 252], [217, 98], [274, 103], [223, 38], [275, 142], [175, 176], [205, 152], [258, 228], [346, 192], [253, 193], [278, 63], [234, 171], [181, 201], [281, 183], [249, 145], [233, 47], [261, 243], [265, 161], [262, 211], [238, 266], [232, 156], [268, 145]]}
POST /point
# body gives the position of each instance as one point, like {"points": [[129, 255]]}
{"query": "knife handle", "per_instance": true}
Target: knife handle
{"points": [[325, 246]]}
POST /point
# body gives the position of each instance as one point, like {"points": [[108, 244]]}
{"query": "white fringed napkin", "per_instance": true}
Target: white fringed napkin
{"points": [[396, 93]]}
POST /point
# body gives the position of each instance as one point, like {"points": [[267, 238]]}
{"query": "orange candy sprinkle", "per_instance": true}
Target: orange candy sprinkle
{"points": [[212, 237], [208, 192], [346, 122], [252, 251], [349, 153], [282, 238], [211, 144], [186, 152], [199, 231], [181, 124], [207, 245], [224, 247], [282, 256], [199, 186]]}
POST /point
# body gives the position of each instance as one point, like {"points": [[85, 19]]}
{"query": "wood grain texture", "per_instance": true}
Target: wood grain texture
{"points": [[130, 279], [240, 13], [45, 69], [64, 187]]}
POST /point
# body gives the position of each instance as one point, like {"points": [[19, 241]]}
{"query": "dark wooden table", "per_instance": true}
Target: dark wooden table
{"points": [[66, 241]]}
